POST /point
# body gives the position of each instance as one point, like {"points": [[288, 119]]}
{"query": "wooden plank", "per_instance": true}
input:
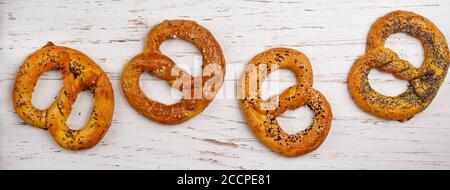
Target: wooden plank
{"points": [[331, 33]]}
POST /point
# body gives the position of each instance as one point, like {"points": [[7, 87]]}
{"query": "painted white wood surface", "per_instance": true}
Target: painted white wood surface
{"points": [[331, 33]]}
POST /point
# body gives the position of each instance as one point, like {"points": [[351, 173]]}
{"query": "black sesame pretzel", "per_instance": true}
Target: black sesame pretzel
{"points": [[424, 82], [79, 73], [261, 115]]}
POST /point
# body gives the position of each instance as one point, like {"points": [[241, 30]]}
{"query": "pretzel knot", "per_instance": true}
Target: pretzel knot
{"points": [[197, 92], [79, 73], [261, 115], [424, 81]]}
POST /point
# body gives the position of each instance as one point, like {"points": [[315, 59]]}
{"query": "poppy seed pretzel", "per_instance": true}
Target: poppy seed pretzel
{"points": [[424, 81], [199, 92], [261, 115], [79, 73]]}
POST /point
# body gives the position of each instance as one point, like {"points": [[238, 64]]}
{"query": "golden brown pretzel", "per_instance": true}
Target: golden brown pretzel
{"points": [[261, 116], [424, 81], [196, 96], [79, 73]]}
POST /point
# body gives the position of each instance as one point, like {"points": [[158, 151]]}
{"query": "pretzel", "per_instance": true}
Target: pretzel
{"points": [[79, 73], [424, 82], [261, 115], [198, 92]]}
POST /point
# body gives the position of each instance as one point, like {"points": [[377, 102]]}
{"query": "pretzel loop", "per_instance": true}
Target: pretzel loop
{"points": [[424, 81]]}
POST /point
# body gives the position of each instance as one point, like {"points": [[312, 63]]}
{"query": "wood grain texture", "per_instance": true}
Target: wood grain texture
{"points": [[331, 33]]}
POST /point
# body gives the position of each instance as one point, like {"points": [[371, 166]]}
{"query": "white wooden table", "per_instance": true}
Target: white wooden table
{"points": [[331, 33]]}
